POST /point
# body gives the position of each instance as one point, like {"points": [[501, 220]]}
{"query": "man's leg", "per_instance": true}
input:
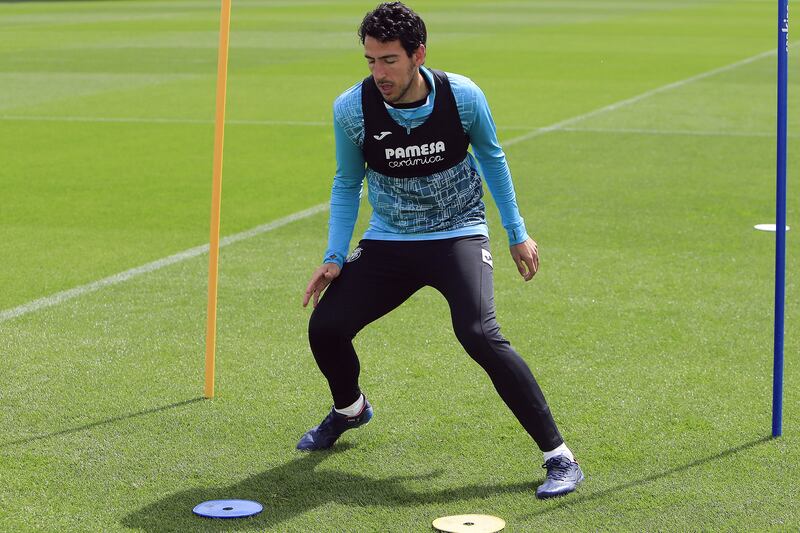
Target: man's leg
{"points": [[466, 282], [373, 283], [367, 288]]}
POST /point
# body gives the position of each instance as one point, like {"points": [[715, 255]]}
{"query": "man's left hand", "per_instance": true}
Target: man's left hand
{"points": [[526, 257]]}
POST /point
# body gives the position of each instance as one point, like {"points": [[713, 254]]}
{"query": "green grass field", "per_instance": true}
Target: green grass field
{"points": [[649, 325]]}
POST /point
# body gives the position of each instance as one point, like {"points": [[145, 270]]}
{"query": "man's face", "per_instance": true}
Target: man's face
{"points": [[392, 69]]}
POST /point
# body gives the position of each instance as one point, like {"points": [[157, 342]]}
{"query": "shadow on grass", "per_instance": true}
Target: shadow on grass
{"points": [[577, 499], [98, 423], [295, 488]]}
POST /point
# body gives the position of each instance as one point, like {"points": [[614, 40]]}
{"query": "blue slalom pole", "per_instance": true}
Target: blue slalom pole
{"points": [[780, 220]]}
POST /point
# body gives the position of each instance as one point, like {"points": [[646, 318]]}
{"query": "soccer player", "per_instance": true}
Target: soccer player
{"points": [[407, 128]]}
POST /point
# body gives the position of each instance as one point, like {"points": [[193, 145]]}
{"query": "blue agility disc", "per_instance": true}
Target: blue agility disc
{"points": [[228, 508]]}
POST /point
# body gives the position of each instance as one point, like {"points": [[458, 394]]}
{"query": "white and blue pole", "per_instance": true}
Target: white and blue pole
{"points": [[780, 222]]}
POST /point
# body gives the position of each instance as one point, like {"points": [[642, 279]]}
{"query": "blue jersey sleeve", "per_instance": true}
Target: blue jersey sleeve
{"points": [[347, 183], [490, 156]]}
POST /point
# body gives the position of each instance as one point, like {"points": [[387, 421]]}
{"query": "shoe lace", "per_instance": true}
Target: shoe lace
{"points": [[333, 424], [328, 422], [557, 468]]}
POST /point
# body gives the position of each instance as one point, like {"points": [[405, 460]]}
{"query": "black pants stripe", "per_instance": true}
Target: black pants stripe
{"points": [[387, 273]]}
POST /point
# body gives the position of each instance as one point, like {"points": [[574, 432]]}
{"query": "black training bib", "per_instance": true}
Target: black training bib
{"points": [[434, 146]]}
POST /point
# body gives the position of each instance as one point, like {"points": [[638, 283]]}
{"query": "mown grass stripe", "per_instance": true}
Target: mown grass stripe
{"points": [[69, 294], [160, 120], [638, 98], [316, 124], [75, 292], [698, 133]]}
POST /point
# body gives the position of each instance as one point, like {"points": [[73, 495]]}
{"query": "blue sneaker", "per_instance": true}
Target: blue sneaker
{"points": [[563, 477], [324, 435]]}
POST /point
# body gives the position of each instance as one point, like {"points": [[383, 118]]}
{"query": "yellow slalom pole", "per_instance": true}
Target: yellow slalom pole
{"points": [[216, 195]]}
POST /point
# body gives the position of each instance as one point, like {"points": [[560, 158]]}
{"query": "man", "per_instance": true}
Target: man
{"points": [[407, 129]]}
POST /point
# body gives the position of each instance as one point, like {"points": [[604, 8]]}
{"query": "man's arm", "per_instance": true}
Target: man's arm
{"points": [[345, 195], [492, 160], [345, 198]]}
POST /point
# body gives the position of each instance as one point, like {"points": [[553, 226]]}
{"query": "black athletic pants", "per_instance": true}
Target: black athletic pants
{"points": [[383, 274]]}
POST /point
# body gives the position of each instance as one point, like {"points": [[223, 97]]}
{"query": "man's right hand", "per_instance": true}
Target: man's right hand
{"points": [[320, 280]]}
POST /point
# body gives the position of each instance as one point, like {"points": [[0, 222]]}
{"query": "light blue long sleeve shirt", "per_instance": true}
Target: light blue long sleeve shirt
{"points": [[391, 198]]}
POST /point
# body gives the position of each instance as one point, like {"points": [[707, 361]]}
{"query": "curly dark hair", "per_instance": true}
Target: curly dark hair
{"points": [[391, 21]]}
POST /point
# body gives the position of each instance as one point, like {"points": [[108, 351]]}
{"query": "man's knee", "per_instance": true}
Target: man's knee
{"points": [[472, 337], [320, 326], [328, 327], [480, 339]]}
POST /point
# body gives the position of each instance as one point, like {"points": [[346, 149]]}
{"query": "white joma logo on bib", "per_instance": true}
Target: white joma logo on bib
{"points": [[382, 135]]}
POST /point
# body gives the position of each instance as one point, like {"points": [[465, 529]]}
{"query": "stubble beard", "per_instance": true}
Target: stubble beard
{"points": [[413, 71]]}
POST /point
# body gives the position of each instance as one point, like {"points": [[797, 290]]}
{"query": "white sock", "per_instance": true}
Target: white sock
{"points": [[561, 450], [353, 410]]}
